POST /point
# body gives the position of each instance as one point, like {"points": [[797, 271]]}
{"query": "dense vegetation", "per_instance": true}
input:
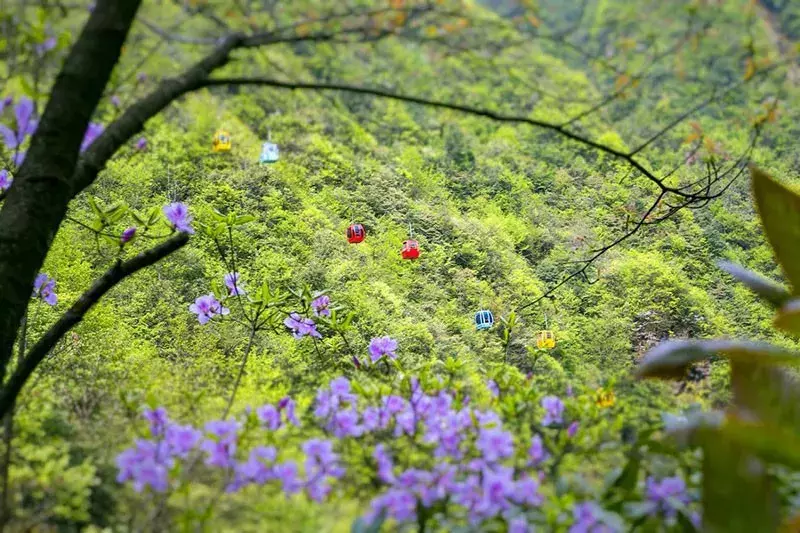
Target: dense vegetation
{"points": [[183, 400]]}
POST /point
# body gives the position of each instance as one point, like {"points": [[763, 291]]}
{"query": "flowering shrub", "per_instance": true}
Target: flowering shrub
{"points": [[423, 454]]}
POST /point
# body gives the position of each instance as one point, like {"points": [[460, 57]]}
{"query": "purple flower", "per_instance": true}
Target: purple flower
{"points": [[5, 102], [141, 144], [44, 287], [667, 496], [399, 504], [269, 416], [569, 393], [5, 180], [286, 405], [495, 444], [536, 452], [115, 101], [554, 408], [45, 46], [588, 519], [234, 284], [224, 430], [219, 453], [258, 468], [221, 449], [526, 492], [127, 235], [23, 113], [301, 326], [320, 306], [178, 216], [288, 476], [145, 465], [381, 346], [385, 465], [93, 131], [493, 388], [158, 420], [518, 525], [572, 429], [321, 461], [345, 424], [207, 307], [182, 439], [141, 77]]}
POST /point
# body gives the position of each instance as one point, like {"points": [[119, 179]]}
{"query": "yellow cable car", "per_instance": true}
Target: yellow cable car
{"points": [[545, 340], [222, 141], [604, 398]]}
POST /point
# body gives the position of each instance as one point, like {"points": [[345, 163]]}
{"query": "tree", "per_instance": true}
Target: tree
{"points": [[55, 171]]}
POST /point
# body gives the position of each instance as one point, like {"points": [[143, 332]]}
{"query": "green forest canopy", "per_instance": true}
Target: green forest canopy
{"points": [[578, 167]]}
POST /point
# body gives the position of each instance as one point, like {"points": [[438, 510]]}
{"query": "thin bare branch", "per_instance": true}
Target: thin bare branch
{"points": [[75, 314]]}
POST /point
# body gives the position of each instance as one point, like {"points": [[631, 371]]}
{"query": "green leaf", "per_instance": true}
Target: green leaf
{"points": [[140, 220], [734, 480], [788, 318], [779, 208], [774, 444], [628, 476], [27, 87], [243, 219], [773, 292], [93, 204], [671, 359], [153, 216], [766, 393], [116, 213]]}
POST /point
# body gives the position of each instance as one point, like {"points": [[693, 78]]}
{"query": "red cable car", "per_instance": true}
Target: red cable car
{"points": [[410, 249], [356, 233]]}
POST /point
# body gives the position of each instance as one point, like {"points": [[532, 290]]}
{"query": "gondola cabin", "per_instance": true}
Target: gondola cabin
{"points": [[484, 319], [545, 340], [222, 141], [410, 249], [356, 233], [269, 153]]}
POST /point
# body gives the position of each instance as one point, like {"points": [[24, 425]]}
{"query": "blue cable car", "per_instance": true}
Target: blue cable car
{"points": [[269, 153], [484, 319]]}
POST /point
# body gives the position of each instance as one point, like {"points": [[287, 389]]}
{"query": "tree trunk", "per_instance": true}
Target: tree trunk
{"points": [[38, 199]]}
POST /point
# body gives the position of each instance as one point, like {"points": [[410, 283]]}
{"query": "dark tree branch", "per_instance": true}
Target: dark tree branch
{"points": [[462, 108], [75, 314]]}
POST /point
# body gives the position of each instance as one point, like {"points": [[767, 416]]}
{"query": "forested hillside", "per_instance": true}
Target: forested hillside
{"points": [[504, 137]]}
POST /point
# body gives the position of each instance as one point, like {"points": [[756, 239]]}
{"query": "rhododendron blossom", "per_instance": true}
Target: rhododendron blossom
{"points": [[207, 307], [44, 288], [178, 216], [381, 346]]}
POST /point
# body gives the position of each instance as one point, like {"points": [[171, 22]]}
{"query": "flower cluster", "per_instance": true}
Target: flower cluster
{"points": [[471, 448], [432, 455], [148, 463], [25, 126]]}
